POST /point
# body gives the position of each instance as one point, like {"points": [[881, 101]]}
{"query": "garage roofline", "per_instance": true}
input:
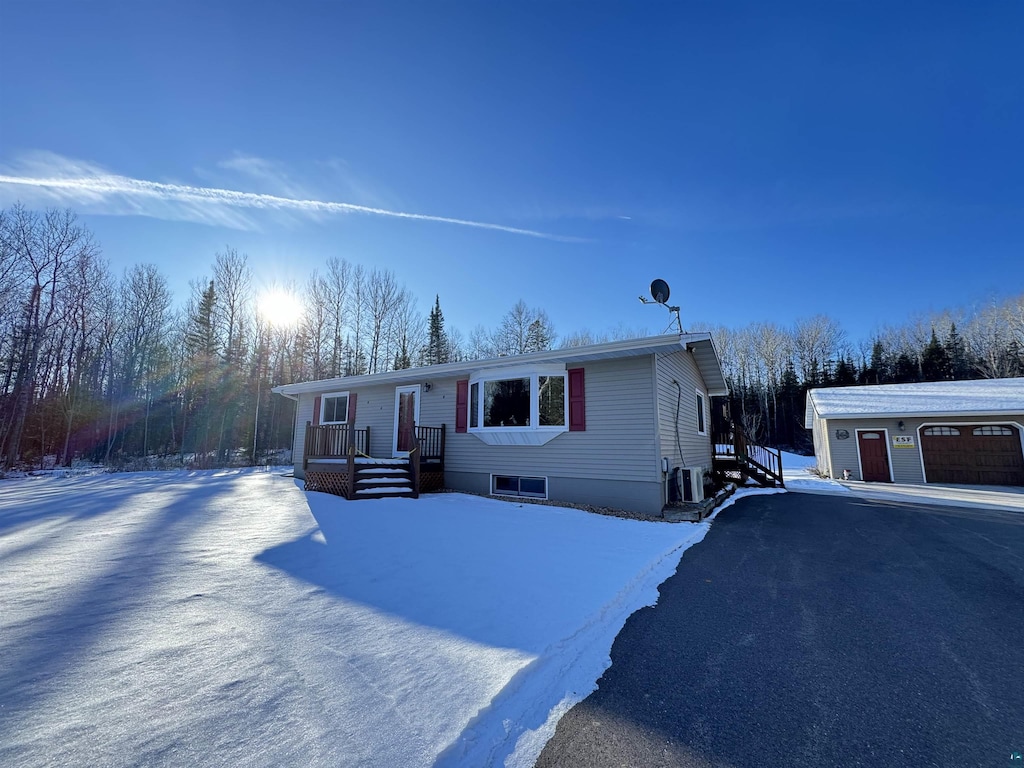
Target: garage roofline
{"points": [[923, 414]]}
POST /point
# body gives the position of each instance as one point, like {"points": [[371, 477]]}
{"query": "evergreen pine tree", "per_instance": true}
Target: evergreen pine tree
{"points": [[438, 348], [959, 361], [935, 363], [814, 377], [1013, 359], [905, 370], [402, 358], [878, 368], [202, 374], [845, 373], [790, 407], [200, 338]]}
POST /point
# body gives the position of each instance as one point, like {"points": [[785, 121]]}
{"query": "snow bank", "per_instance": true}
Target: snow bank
{"points": [[224, 618]]}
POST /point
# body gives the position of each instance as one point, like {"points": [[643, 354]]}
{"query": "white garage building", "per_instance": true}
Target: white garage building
{"points": [[958, 432]]}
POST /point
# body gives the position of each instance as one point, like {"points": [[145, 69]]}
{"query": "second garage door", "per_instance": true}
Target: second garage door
{"points": [[983, 454]]}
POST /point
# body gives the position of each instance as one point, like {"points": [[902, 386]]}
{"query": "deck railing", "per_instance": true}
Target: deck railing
{"points": [[768, 460], [732, 444], [332, 441], [431, 443]]}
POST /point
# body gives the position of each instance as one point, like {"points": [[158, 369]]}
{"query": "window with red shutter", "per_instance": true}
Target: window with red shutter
{"points": [[352, 408], [316, 410]]}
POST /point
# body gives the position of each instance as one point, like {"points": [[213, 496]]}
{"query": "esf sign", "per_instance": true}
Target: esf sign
{"points": [[903, 441]]}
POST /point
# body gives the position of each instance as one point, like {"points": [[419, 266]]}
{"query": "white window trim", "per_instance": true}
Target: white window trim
{"points": [[533, 434], [323, 404], [704, 407], [395, 453], [519, 495]]}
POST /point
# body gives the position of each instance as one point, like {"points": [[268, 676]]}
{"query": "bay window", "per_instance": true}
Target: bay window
{"points": [[519, 406]]}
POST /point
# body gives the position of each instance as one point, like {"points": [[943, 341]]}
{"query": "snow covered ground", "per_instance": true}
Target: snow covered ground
{"points": [[227, 618], [796, 470]]}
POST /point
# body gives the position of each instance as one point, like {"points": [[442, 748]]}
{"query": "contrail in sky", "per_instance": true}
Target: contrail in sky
{"points": [[97, 186]]}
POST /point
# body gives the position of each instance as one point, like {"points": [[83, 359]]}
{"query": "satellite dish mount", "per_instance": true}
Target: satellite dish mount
{"points": [[659, 295]]}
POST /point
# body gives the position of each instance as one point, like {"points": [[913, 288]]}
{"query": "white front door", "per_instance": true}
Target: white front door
{"points": [[407, 416]]}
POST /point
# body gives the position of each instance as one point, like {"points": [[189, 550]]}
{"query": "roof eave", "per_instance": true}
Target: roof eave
{"points": [[624, 348], [923, 414], [710, 365]]}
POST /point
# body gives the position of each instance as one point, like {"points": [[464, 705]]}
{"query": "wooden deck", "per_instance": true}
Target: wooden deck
{"points": [[337, 461]]}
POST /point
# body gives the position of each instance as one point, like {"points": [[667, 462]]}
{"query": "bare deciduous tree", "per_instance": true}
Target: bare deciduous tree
{"points": [[44, 246]]}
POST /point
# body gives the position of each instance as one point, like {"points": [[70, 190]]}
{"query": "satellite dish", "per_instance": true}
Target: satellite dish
{"points": [[659, 291]]}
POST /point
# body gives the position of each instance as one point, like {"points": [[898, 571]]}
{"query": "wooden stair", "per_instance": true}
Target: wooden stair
{"points": [[736, 459], [740, 468], [383, 479]]}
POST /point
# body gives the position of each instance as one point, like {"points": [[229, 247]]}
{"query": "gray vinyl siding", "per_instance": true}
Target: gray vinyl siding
{"points": [[303, 414], [619, 442], [906, 462], [678, 436], [643, 497], [819, 428]]}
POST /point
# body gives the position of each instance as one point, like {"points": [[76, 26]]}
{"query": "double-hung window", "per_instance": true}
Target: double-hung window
{"points": [[334, 408], [702, 427]]}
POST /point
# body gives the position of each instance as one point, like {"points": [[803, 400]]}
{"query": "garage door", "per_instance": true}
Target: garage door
{"points": [[973, 454]]}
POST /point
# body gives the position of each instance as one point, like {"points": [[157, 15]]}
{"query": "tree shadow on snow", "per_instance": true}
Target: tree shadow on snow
{"points": [[504, 574], [35, 500], [120, 583]]}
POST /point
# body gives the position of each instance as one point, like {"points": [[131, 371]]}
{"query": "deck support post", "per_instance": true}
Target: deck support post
{"points": [[350, 487]]}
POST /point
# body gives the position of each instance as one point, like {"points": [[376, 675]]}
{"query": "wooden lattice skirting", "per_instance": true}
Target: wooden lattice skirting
{"points": [[328, 482], [431, 481]]}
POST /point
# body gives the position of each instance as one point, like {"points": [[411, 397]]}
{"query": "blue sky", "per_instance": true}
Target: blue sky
{"points": [[770, 161]]}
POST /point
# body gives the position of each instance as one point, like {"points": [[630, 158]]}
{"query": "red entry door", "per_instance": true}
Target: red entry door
{"points": [[406, 420], [874, 457]]}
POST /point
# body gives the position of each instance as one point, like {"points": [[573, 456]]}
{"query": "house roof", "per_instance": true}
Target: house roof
{"points": [[935, 398], [700, 344]]}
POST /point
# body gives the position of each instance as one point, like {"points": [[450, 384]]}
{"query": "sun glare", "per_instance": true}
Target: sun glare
{"points": [[279, 307]]}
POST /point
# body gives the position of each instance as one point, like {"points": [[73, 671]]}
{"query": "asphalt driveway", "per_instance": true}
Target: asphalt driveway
{"points": [[810, 630]]}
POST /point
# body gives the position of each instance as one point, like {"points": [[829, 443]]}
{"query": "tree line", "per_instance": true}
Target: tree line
{"points": [[770, 367], [110, 368]]}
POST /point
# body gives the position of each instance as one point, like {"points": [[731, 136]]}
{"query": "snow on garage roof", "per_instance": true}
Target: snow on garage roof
{"points": [[934, 398]]}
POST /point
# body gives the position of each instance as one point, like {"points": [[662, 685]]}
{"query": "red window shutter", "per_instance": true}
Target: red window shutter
{"points": [[316, 410], [461, 405], [351, 407], [577, 401]]}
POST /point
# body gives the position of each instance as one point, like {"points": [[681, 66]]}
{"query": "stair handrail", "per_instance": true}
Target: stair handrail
{"points": [[414, 464], [350, 487], [762, 458]]}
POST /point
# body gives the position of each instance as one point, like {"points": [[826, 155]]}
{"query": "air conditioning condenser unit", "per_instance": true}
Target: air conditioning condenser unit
{"points": [[692, 483]]}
